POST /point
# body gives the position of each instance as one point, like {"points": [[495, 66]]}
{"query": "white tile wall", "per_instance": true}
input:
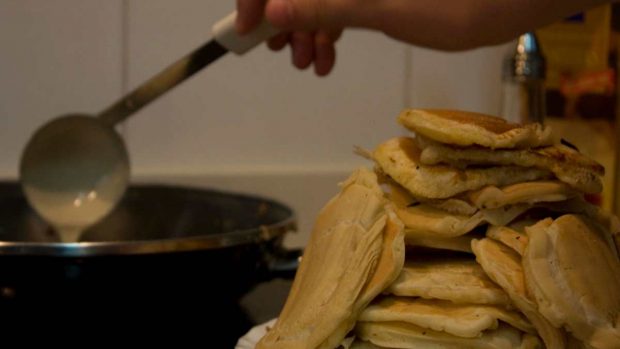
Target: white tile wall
{"points": [[465, 80], [56, 57], [256, 111], [252, 124]]}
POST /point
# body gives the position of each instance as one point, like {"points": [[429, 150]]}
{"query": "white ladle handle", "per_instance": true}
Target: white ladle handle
{"points": [[225, 39], [225, 34]]}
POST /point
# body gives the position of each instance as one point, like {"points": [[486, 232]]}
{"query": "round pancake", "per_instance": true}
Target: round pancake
{"points": [[567, 164], [355, 251], [466, 128], [459, 280], [399, 158], [503, 266], [575, 278], [406, 336], [461, 320]]}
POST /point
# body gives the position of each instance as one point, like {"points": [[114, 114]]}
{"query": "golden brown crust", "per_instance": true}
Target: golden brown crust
{"points": [[466, 128], [571, 269], [356, 249], [567, 165], [400, 159], [406, 336], [459, 280], [503, 266], [462, 320], [487, 122]]}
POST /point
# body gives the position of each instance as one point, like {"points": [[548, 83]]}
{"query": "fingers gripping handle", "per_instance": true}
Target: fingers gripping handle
{"points": [[225, 34]]}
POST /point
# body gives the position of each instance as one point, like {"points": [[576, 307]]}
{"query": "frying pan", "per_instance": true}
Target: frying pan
{"points": [[165, 252]]}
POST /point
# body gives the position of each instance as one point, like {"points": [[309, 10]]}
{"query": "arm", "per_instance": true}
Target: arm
{"points": [[467, 24], [313, 26]]}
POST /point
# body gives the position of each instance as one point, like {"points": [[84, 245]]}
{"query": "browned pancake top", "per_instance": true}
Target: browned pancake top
{"points": [[412, 151], [410, 148], [488, 122], [566, 155]]}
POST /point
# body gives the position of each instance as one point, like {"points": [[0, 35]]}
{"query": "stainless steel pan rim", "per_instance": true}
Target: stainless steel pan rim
{"points": [[87, 249]]}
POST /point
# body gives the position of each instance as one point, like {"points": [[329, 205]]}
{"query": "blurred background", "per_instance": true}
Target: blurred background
{"points": [[255, 124]]}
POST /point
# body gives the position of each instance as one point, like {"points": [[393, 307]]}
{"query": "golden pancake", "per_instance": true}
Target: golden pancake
{"points": [[459, 243], [489, 197], [578, 205], [512, 235], [461, 320], [407, 336], [359, 344], [567, 164], [355, 251], [423, 220], [575, 278], [528, 342], [403, 198], [467, 204], [521, 193], [399, 158], [573, 343], [509, 237], [503, 266], [458, 280], [466, 128]]}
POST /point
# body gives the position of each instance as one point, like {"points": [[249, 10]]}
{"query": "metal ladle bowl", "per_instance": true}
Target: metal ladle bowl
{"points": [[74, 171]]}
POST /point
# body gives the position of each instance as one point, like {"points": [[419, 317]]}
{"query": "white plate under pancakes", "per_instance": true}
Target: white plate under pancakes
{"points": [[250, 339]]}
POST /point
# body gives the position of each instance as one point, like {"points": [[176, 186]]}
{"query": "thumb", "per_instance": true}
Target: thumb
{"points": [[308, 15]]}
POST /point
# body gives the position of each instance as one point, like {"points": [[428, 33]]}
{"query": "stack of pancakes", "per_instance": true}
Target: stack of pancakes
{"points": [[474, 233]]}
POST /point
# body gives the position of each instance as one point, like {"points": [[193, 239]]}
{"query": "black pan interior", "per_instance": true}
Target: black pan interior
{"points": [[149, 212]]}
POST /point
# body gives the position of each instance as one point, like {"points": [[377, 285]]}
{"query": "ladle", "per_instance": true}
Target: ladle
{"points": [[75, 168]]}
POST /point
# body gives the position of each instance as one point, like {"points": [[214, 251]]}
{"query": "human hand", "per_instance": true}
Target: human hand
{"points": [[311, 27], [312, 40]]}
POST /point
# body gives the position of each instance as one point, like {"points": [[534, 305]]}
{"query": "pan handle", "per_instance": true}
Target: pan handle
{"points": [[283, 263]]}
